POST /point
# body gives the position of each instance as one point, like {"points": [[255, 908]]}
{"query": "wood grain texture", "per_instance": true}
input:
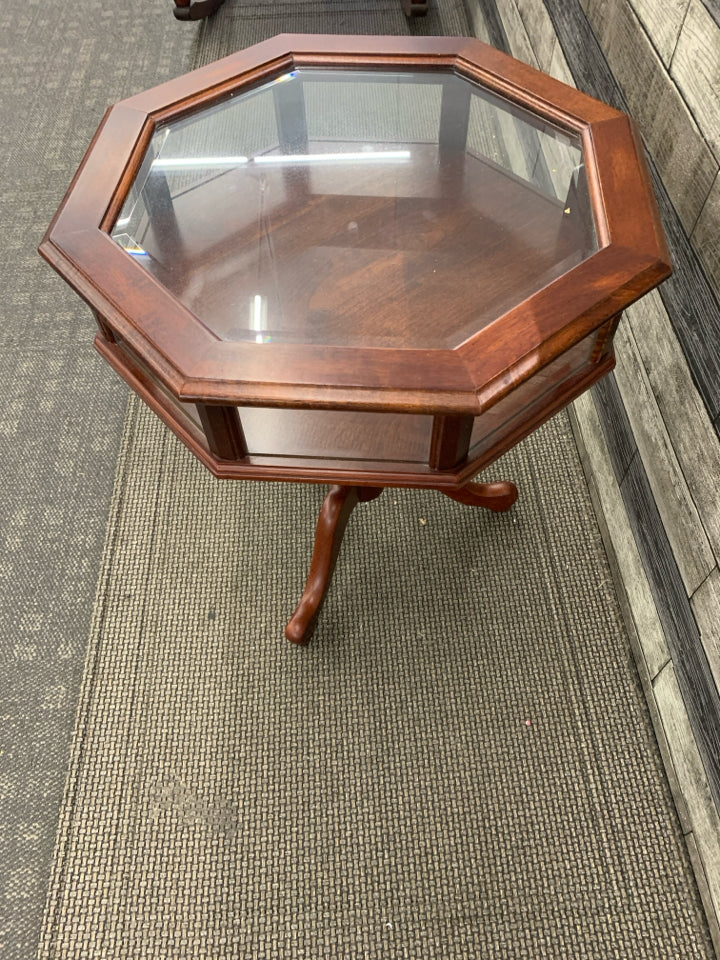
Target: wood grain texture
{"points": [[223, 431], [696, 70], [523, 415], [556, 162], [595, 10], [486, 24], [450, 441], [469, 56], [518, 39], [662, 21], [683, 525], [699, 854], [576, 34], [440, 266], [684, 160], [693, 304], [713, 8], [621, 547], [684, 415], [622, 175], [491, 26], [337, 434], [620, 440], [706, 605], [700, 694], [705, 238], [686, 753], [687, 294], [540, 31], [559, 66]]}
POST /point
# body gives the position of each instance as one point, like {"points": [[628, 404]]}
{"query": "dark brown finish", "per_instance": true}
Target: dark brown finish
{"points": [[334, 515], [465, 251], [450, 441], [196, 9], [385, 471], [105, 330], [467, 380], [376, 412], [415, 8], [223, 431], [498, 496], [339, 504]]}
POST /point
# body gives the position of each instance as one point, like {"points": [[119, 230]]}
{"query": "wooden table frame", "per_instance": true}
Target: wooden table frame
{"points": [[516, 372]]}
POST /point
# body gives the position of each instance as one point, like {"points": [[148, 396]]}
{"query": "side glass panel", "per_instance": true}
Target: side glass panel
{"points": [[336, 434]]}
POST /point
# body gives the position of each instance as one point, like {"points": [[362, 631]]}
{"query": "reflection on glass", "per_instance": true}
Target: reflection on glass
{"points": [[368, 156], [338, 207]]}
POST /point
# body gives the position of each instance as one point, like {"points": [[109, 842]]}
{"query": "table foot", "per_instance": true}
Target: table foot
{"points": [[415, 8], [498, 496], [196, 9], [334, 515]]}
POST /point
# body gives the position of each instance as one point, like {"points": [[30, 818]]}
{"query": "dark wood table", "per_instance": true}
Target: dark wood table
{"points": [[362, 261], [199, 9]]}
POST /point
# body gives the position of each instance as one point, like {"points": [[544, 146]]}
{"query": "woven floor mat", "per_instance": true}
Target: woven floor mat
{"points": [[61, 67], [460, 764]]}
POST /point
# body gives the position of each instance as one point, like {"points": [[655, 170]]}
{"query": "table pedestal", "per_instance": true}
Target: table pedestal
{"points": [[334, 515]]}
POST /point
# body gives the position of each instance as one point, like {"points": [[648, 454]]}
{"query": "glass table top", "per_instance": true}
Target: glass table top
{"points": [[358, 208]]}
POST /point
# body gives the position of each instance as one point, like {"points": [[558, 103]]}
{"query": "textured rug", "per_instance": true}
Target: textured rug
{"points": [[61, 69], [461, 764]]}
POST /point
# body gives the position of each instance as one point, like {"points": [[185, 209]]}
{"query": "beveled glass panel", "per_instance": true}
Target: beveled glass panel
{"points": [[358, 208]]}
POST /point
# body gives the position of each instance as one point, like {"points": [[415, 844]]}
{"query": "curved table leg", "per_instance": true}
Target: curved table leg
{"points": [[195, 9], [339, 504], [498, 496]]}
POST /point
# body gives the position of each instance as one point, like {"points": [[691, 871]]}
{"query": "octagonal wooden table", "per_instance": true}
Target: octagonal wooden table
{"points": [[362, 261]]}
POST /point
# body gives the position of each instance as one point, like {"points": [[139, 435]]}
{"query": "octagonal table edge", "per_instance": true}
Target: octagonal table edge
{"points": [[94, 198]]}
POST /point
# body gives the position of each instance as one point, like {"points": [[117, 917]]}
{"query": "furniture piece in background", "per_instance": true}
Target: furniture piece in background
{"points": [[199, 9], [196, 9], [363, 261], [415, 8]]}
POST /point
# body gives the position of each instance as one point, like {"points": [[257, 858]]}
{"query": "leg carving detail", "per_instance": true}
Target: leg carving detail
{"points": [[334, 515], [498, 496]]}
